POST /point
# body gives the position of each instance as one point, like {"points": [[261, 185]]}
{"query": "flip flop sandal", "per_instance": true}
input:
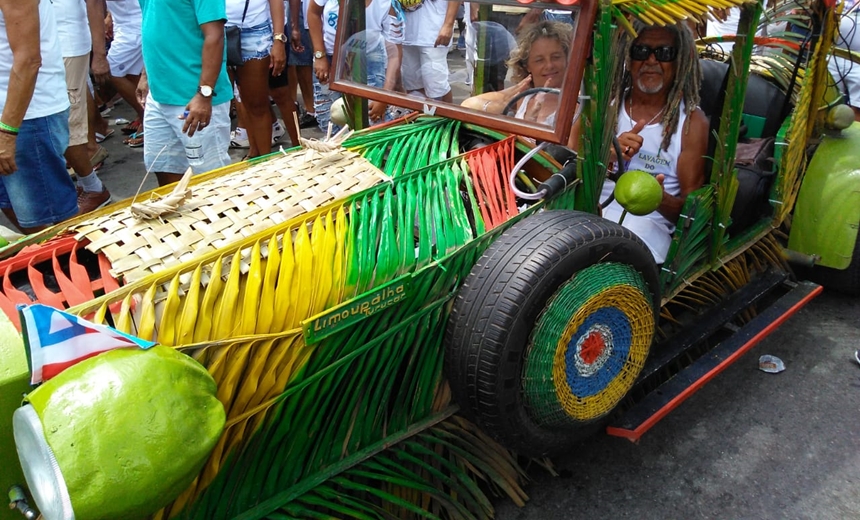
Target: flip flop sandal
{"points": [[132, 127], [100, 138], [136, 140]]}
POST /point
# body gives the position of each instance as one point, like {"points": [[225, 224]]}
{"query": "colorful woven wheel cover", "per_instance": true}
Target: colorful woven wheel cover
{"points": [[588, 347]]}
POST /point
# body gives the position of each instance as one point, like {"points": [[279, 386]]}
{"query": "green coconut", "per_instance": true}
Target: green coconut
{"points": [[638, 192], [130, 429]]}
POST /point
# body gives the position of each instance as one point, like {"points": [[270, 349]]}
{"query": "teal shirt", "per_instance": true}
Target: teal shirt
{"points": [[173, 46]]}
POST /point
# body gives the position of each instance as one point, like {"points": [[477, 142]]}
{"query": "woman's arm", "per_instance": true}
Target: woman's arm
{"points": [[495, 102], [279, 48]]}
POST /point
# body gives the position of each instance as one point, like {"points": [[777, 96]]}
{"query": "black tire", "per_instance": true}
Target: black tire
{"points": [[499, 304], [846, 280]]}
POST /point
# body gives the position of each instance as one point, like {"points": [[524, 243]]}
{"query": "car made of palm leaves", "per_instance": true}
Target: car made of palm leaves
{"points": [[394, 320]]}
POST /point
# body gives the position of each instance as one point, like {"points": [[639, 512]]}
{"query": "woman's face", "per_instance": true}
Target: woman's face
{"points": [[546, 63]]}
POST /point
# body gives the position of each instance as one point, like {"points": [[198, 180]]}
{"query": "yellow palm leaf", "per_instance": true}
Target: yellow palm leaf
{"points": [[265, 314], [251, 298], [203, 330], [146, 327], [167, 328], [190, 311], [284, 293]]}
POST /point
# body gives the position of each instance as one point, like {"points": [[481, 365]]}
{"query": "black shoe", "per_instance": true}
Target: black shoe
{"points": [[307, 121]]}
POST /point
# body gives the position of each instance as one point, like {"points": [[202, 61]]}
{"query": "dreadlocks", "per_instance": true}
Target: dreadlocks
{"points": [[688, 78]]}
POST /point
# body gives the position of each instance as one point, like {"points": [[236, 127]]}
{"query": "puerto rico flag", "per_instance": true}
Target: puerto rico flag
{"points": [[56, 340]]}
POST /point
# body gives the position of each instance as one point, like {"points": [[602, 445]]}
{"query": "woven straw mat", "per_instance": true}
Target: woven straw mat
{"points": [[226, 209]]}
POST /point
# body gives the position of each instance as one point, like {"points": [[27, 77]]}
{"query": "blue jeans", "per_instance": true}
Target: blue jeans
{"points": [[323, 98], [41, 192]]}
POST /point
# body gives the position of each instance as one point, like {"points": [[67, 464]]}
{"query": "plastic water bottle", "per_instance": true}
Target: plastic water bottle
{"points": [[194, 150]]}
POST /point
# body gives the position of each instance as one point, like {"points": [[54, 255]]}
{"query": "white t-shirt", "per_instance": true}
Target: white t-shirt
{"points": [[50, 95], [377, 22], [728, 27], [331, 8], [654, 229], [127, 18], [423, 24], [258, 13], [73, 27]]}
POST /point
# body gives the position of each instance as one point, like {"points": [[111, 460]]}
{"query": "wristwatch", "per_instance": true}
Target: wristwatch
{"points": [[281, 37], [318, 55], [205, 91]]}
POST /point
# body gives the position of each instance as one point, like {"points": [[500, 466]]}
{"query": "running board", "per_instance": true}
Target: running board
{"points": [[637, 420]]}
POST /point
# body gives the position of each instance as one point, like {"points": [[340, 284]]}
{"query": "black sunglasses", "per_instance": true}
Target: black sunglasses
{"points": [[663, 54]]}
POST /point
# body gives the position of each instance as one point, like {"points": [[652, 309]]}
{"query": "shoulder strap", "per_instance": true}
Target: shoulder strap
{"points": [[245, 11]]}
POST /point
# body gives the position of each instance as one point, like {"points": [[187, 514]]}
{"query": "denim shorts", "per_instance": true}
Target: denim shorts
{"points": [[41, 192], [164, 146], [257, 41]]}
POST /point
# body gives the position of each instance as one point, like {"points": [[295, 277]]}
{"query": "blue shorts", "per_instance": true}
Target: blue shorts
{"points": [[306, 57], [41, 192], [257, 41], [164, 146]]}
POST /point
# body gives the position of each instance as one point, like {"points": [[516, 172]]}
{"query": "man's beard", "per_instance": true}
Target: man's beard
{"points": [[653, 89]]}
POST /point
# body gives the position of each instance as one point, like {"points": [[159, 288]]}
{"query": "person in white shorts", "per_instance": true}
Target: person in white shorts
{"points": [[125, 58], [425, 49], [186, 88]]}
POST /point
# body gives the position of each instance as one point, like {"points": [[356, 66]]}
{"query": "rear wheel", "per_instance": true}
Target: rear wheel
{"points": [[551, 329]]}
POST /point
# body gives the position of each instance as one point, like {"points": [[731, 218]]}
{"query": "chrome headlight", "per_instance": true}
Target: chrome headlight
{"points": [[43, 475]]}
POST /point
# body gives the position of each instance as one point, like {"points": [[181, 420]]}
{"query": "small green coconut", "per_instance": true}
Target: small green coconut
{"points": [[638, 192]]}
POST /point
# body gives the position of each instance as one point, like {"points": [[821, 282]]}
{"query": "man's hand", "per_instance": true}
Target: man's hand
{"points": [[7, 154], [296, 39], [199, 113], [100, 69], [376, 110], [279, 58], [108, 27], [142, 89], [631, 141], [444, 38]]}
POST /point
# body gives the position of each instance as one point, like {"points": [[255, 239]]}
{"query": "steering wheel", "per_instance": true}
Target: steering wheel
{"points": [[534, 90]]}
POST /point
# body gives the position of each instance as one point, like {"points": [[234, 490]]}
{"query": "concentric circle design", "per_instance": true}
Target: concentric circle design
{"points": [[588, 346], [592, 350]]}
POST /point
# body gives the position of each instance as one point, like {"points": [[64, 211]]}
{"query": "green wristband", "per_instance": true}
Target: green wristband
{"points": [[9, 128]]}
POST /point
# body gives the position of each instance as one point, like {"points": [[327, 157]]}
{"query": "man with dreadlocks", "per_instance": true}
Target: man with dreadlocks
{"points": [[660, 127]]}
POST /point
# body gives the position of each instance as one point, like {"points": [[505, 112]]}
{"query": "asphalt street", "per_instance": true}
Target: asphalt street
{"points": [[749, 445]]}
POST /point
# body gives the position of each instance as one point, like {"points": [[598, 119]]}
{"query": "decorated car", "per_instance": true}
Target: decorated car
{"points": [[387, 324]]}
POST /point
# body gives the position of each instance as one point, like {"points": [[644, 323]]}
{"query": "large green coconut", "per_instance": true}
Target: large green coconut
{"points": [[130, 429]]}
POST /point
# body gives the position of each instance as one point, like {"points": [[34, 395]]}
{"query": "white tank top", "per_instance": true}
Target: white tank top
{"points": [[50, 95], [651, 158], [654, 229]]}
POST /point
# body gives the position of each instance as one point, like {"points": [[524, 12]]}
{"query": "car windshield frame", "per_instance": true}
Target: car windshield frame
{"points": [[583, 12]]}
